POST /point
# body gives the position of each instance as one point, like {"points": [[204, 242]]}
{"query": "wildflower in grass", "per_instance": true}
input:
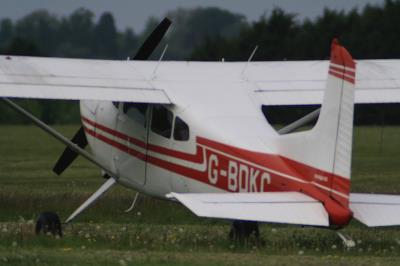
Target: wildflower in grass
{"points": [[138, 213], [359, 241], [274, 230], [301, 252], [98, 227], [83, 247], [87, 235], [14, 244], [334, 247], [122, 262]]}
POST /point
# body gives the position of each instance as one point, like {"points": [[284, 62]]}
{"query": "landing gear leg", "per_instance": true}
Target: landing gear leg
{"points": [[347, 241], [241, 231]]}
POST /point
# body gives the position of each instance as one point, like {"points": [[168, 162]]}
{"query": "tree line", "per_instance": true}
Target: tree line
{"points": [[206, 34]]}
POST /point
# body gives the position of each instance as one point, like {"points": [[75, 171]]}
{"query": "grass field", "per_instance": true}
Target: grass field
{"points": [[163, 233]]}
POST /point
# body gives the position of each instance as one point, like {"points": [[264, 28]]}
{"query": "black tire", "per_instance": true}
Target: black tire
{"points": [[48, 222]]}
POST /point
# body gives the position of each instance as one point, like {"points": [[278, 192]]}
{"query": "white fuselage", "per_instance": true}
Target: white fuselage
{"points": [[126, 140]]}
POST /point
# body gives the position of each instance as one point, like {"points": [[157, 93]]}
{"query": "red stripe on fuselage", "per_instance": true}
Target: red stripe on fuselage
{"points": [[277, 166], [285, 174]]}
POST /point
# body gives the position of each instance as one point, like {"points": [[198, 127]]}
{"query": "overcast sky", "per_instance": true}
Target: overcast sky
{"points": [[134, 13]]}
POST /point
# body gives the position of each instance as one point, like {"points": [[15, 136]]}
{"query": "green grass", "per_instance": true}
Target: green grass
{"points": [[163, 233]]}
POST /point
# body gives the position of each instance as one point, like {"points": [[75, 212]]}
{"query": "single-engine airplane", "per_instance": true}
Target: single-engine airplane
{"points": [[194, 132]]}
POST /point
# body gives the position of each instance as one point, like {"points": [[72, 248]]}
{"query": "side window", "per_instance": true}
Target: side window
{"points": [[161, 121], [181, 130], [136, 111]]}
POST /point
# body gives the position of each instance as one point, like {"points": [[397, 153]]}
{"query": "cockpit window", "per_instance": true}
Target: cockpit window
{"points": [[181, 130], [161, 122], [136, 111]]}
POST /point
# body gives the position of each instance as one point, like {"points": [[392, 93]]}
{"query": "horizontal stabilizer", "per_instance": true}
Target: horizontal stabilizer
{"points": [[270, 207], [376, 209]]}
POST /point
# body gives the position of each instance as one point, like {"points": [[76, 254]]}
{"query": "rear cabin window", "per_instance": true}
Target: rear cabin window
{"points": [[161, 121], [136, 111], [181, 130]]}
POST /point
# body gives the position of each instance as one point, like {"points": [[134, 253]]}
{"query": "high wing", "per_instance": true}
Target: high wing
{"points": [[271, 207], [76, 79], [298, 83], [271, 83]]}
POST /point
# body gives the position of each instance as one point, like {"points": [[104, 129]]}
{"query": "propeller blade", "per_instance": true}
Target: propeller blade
{"points": [[68, 156], [152, 41]]}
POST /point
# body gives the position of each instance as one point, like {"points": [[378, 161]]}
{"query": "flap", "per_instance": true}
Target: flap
{"points": [[270, 207]]}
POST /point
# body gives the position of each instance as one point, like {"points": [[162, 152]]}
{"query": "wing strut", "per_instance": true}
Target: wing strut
{"points": [[58, 136], [301, 122], [92, 199]]}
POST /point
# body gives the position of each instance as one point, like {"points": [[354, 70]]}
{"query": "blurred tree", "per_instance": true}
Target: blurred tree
{"points": [[105, 37], [6, 32], [128, 43], [19, 46], [40, 28], [76, 35], [192, 26]]}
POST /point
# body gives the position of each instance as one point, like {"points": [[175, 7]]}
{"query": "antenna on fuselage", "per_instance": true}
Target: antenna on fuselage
{"points": [[249, 60], [159, 61]]}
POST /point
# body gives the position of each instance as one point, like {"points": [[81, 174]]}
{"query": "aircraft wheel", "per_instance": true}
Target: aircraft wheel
{"points": [[242, 231], [48, 222]]}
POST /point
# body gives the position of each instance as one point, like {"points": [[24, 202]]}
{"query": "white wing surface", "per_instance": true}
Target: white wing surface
{"points": [[376, 209], [303, 82], [75, 79], [270, 83], [270, 207]]}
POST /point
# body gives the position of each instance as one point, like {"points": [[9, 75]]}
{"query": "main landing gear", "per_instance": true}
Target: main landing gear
{"points": [[243, 231]]}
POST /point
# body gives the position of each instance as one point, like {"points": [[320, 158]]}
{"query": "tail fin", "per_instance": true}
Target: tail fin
{"points": [[326, 149]]}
